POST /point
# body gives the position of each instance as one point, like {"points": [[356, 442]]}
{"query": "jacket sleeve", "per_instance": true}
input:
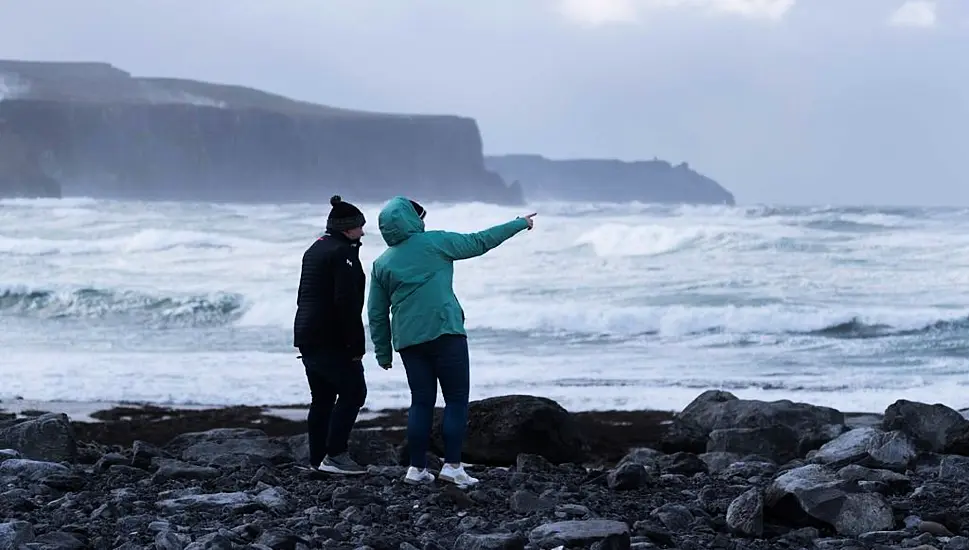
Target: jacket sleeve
{"points": [[348, 301], [462, 246], [378, 311]]}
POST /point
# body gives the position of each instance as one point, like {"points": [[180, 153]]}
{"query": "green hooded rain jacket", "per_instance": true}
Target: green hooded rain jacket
{"points": [[411, 299]]}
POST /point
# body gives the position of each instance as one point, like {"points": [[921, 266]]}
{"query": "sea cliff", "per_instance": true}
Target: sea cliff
{"points": [[608, 180], [100, 132]]}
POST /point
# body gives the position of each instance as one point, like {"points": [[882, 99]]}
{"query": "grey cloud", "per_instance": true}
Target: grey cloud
{"points": [[829, 104]]}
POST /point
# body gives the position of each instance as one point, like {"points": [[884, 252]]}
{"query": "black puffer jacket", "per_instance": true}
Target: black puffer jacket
{"points": [[330, 300]]}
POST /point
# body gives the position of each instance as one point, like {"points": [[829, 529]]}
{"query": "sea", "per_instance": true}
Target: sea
{"points": [[601, 306]]}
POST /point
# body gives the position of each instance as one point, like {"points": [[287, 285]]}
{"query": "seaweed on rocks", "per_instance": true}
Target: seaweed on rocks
{"points": [[247, 487]]}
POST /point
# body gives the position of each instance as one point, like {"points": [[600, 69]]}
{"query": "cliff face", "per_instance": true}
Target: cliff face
{"points": [[608, 180], [21, 170], [103, 133]]}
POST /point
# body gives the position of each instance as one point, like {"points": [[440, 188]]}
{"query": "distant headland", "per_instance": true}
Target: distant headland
{"points": [[609, 180], [91, 129]]}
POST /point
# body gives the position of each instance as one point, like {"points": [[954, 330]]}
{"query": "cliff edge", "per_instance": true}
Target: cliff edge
{"points": [[103, 133], [608, 180]]}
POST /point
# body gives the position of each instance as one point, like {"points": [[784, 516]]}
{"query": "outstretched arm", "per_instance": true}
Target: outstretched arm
{"points": [[378, 311], [461, 246]]}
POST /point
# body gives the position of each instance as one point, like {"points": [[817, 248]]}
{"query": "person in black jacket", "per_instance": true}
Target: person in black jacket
{"points": [[328, 331]]}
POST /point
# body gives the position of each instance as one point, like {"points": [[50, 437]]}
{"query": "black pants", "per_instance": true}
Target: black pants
{"points": [[338, 391]]}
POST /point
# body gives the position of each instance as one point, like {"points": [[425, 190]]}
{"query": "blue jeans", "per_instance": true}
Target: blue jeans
{"points": [[338, 391], [445, 360]]}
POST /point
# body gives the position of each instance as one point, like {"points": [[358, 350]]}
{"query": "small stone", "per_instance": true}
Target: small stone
{"points": [[627, 477], [746, 514], [525, 502], [14, 534], [934, 528], [609, 534], [497, 541]]}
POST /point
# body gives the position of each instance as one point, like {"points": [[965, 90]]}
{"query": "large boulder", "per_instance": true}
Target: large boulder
{"points": [[870, 447], [229, 446], [779, 443], [719, 410], [935, 428], [501, 428], [812, 494], [48, 437]]}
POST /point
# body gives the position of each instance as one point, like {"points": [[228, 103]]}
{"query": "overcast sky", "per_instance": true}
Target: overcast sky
{"points": [[790, 101]]}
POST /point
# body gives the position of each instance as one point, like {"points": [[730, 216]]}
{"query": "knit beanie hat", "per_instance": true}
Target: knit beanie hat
{"points": [[343, 215]]}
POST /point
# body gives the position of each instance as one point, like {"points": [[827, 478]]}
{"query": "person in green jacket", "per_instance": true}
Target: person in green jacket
{"points": [[412, 309]]}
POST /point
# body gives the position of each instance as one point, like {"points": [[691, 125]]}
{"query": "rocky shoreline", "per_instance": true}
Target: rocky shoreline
{"points": [[723, 473]]}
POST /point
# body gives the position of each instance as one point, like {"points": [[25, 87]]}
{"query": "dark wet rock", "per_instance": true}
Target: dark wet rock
{"points": [[607, 534], [228, 447], [168, 469], [109, 460], [646, 457], [60, 541], [752, 468], [628, 476], [812, 492], [957, 543], [745, 515], [876, 491], [933, 528], [869, 447], [495, 541], [893, 481], [234, 502], [30, 470], [501, 428], [682, 463], [7, 454], [533, 464], [683, 435], [14, 534], [142, 454], [718, 461], [49, 437], [674, 517], [779, 443], [526, 502], [719, 410], [932, 427], [951, 467]]}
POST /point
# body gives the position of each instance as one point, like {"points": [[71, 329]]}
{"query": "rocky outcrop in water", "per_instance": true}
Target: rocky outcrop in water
{"points": [[848, 486], [608, 180], [103, 133]]}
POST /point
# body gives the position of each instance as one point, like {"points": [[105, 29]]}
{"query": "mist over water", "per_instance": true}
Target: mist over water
{"points": [[600, 307]]}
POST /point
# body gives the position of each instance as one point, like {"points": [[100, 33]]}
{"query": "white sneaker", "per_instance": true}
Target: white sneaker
{"points": [[457, 476], [418, 477]]}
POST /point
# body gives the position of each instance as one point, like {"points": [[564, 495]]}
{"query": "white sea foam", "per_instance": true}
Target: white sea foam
{"points": [[601, 306]]}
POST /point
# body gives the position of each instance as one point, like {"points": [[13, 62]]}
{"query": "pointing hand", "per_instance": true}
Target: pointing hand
{"points": [[531, 222]]}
